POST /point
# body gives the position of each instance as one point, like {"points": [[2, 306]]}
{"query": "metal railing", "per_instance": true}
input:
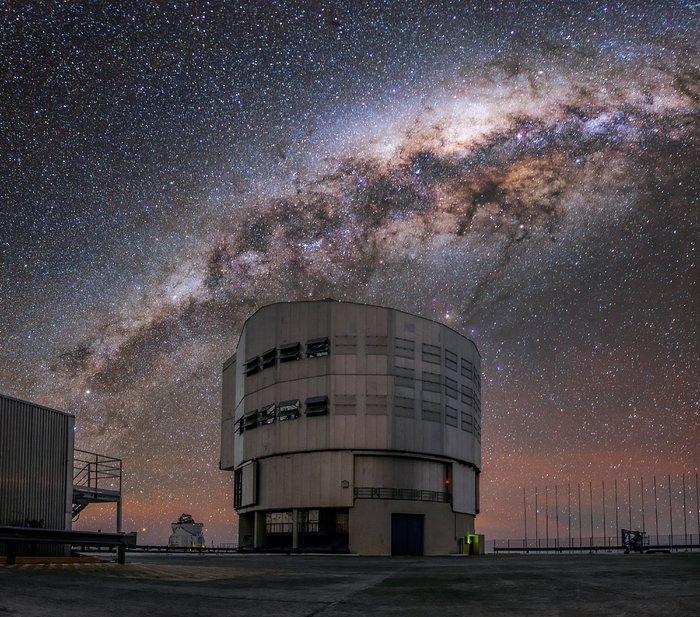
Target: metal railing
{"points": [[407, 494], [676, 542], [89, 547], [20, 540], [96, 472]]}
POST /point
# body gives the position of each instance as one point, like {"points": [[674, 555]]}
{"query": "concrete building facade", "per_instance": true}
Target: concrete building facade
{"points": [[352, 427]]}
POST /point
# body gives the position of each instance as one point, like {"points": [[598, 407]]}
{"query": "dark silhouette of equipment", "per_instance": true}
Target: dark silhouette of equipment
{"points": [[187, 534], [634, 541], [185, 518]]}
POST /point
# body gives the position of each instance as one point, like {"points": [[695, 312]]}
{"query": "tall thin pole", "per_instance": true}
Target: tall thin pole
{"points": [[670, 509], [537, 530], [643, 522], [617, 520], [605, 527], [546, 515], [590, 505], [685, 518], [580, 522], [697, 503], [656, 511], [525, 516], [556, 510], [629, 499], [569, 528]]}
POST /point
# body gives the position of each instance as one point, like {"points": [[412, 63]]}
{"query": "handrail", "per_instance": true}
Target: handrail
{"points": [[14, 537], [408, 494], [96, 471]]}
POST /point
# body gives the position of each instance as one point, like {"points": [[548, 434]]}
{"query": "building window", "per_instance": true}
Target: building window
{"points": [[342, 523], [466, 422], [451, 416], [251, 366], [376, 345], [468, 395], [431, 411], [432, 354], [345, 345], [316, 405], [308, 521], [240, 425], [250, 420], [404, 371], [267, 414], [467, 368], [376, 404], [431, 382], [317, 347], [451, 360], [269, 358], [288, 410], [404, 348], [344, 404], [451, 388], [289, 352], [278, 522], [404, 406]]}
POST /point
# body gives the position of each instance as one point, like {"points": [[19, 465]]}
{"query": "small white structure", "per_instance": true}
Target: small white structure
{"points": [[186, 533]]}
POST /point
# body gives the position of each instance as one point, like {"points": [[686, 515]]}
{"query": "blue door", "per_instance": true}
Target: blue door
{"points": [[406, 534]]}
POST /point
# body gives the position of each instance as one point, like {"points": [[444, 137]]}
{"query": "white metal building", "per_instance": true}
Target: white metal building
{"points": [[352, 427]]}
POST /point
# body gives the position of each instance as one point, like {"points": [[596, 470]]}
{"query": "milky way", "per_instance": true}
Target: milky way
{"points": [[524, 173]]}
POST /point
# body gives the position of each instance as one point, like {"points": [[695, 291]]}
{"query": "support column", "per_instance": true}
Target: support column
{"points": [[119, 515], [295, 528], [260, 536]]}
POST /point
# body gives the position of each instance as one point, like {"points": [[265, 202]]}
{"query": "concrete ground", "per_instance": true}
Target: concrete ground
{"points": [[171, 585]]}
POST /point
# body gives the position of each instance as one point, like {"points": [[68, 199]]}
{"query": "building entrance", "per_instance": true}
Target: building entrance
{"points": [[406, 534]]}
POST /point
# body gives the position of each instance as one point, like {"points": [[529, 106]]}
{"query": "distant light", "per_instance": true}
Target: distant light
{"points": [[88, 391]]}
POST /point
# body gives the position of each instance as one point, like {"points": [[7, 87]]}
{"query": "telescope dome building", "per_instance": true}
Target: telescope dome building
{"points": [[352, 427]]}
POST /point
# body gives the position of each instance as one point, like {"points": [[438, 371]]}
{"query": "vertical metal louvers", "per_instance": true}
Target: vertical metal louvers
{"points": [[36, 465]]}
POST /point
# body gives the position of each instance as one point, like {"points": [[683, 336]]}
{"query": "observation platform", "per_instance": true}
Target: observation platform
{"points": [[96, 479]]}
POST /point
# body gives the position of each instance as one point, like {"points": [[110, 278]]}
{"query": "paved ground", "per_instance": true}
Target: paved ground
{"points": [[210, 585]]}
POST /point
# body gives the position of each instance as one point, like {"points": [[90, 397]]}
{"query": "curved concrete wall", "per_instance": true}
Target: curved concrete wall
{"points": [[385, 400]]}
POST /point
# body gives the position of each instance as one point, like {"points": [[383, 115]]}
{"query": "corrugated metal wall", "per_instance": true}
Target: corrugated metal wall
{"points": [[36, 464]]}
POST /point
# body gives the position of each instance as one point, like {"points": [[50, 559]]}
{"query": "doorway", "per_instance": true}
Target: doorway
{"points": [[406, 534]]}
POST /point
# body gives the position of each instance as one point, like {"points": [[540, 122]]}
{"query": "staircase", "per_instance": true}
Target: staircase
{"points": [[96, 479]]}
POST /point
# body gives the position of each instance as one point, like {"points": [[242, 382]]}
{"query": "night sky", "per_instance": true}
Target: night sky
{"points": [[524, 172]]}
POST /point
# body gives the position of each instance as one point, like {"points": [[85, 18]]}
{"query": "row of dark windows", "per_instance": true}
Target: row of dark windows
{"points": [[315, 348], [432, 412], [431, 383], [377, 345], [319, 406], [282, 522], [432, 354], [285, 410]]}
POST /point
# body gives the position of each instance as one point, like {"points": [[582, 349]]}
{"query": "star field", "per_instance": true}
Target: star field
{"points": [[526, 173]]}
